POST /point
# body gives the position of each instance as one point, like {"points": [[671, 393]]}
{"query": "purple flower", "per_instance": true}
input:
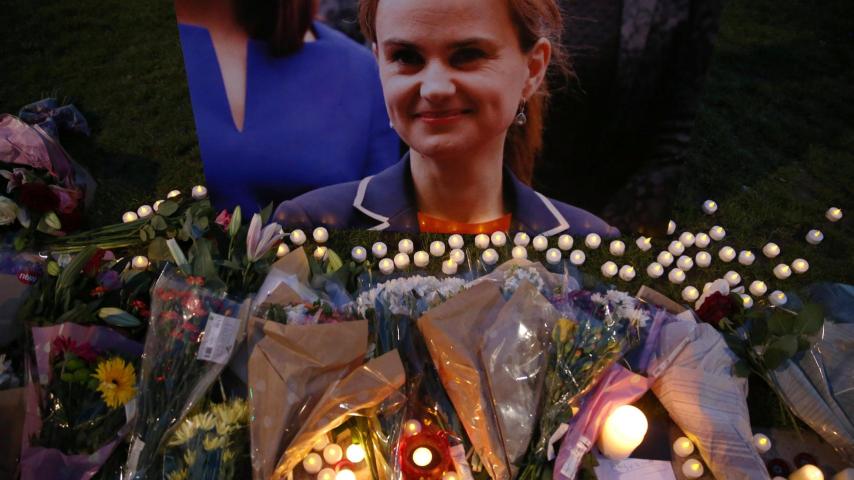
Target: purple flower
{"points": [[110, 280]]}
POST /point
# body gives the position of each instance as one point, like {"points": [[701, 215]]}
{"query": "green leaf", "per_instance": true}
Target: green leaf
{"points": [[741, 369], [203, 223], [118, 317], [158, 251], [811, 318], [759, 331], [804, 343], [53, 221], [159, 223], [71, 271], [236, 221], [266, 212], [780, 350], [167, 208], [782, 323], [333, 261], [202, 261], [736, 345]]}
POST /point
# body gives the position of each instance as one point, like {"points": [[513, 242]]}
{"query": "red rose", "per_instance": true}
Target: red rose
{"points": [[37, 197], [715, 308], [93, 266]]}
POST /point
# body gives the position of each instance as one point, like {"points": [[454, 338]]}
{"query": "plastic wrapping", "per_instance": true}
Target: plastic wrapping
{"points": [[192, 334]]}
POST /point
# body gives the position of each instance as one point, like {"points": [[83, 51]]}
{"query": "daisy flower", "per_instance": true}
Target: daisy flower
{"points": [[117, 381]]}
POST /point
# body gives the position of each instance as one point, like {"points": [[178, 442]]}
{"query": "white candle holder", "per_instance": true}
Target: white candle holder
{"points": [[683, 447], [359, 254], [455, 241], [401, 261], [489, 256], [762, 443], [782, 271], [437, 248], [732, 277], [553, 256], [609, 269], [710, 207], [703, 259], [644, 243], [521, 239], [746, 257], [449, 267], [406, 246], [499, 239], [726, 254], [577, 257], [702, 240], [282, 250], [676, 248], [458, 255], [297, 237], [799, 266], [144, 212], [685, 263], [627, 273], [758, 288], [687, 239], [386, 266], [771, 250], [565, 242], [421, 259], [129, 217], [833, 214], [199, 192], [320, 235], [379, 249], [654, 270], [692, 468], [746, 300], [676, 276], [519, 252], [777, 298], [671, 227], [540, 243], [593, 241], [814, 237], [617, 248], [481, 241], [665, 258], [690, 294], [717, 233]]}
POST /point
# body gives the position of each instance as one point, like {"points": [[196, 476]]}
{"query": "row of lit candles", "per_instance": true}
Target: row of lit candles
{"points": [[199, 192]]}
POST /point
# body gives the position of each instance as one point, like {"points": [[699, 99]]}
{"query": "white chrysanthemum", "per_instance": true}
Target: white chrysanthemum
{"points": [[618, 297], [515, 276], [598, 298], [399, 294]]}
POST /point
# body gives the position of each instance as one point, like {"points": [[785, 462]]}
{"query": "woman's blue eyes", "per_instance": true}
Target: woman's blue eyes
{"points": [[460, 57]]}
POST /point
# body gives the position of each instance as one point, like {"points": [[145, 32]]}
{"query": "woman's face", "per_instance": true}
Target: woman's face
{"points": [[453, 73]]}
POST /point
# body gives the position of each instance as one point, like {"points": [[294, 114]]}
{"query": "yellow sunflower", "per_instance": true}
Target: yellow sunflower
{"points": [[117, 380]]}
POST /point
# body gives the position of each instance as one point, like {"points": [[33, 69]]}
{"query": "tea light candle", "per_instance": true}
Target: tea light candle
{"points": [[379, 249], [703, 259], [814, 237], [521, 239], [609, 269], [665, 258], [326, 474], [297, 237], [726, 254], [577, 257], [676, 247], [761, 442], [592, 240], [553, 256], [481, 241], [564, 242], [771, 250], [676, 276], [702, 240], [671, 227], [732, 277], [320, 444], [421, 258], [156, 205], [144, 211], [282, 250], [807, 472], [422, 456], [617, 248], [746, 257], [746, 300], [450, 476], [692, 468], [622, 432], [758, 288], [401, 261], [128, 217], [386, 266], [458, 256], [312, 463], [449, 267], [541, 243], [782, 271], [437, 248], [644, 243], [519, 252], [456, 241], [710, 207], [173, 194], [777, 298], [199, 192], [717, 233], [489, 256], [355, 453], [405, 246], [139, 262], [359, 254], [411, 427], [685, 263], [320, 235], [683, 447], [690, 294], [800, 266], [627, 273], [320, 253], [499, 239], [654, 270], [687, 239], [345, 474], [333, 453], [833, 214]]}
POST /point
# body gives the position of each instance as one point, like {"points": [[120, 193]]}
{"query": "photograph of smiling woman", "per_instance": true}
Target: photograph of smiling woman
{"points": [[464, 85]]}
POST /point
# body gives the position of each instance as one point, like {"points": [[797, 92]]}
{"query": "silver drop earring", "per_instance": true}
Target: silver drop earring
{"points": [[521, 118]]}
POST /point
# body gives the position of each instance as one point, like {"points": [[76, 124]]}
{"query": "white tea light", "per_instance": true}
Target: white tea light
{"points": [[671, 227], [499, 239], [726, 254], [644, 243], [522, 239], [592, 241], [807, 472], [758, 288], [519, 252], [833, 214], [777, 298], [386, 266], [761, 442], [746, 300], [609, 269], [717, 233], [312, 463], [577, 257], [345, 474], [481, 241], [144, 211], [411, 427], [456, 241], [489, 256], [128, 217], [654, 270], [333, 453], [627, 273], [359, 254], [355, 453], [690, 294], [710, 207], [540, 243], [450, 476], [564, 242], [676, 276], [199, 192], [683, 447], [173, 194], [282, 250], [687, 239], [553, 256], [139, 262], [449, 267], [320, 253], [458, 256], [676, 247], [692, 468], [702, 240], [320, 235], [421, 258], [703, 259], [732, 277], [379, 249], [617, 248], [437, 248], [405, 246], [622, 432], [156, 205], [746, 257], [782, 271], [814, 237], [401, 261], [685, 263], [297, 237], [665, 258], [771, 250], [422, 456], [800, 265], [326, 474]]}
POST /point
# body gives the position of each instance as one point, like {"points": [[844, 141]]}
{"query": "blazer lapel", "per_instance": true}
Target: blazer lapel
{"points": [[387, 199], [533, 212]]}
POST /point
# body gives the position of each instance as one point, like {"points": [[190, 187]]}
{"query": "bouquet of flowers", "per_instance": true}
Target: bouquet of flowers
{"points": [[192, 334]]}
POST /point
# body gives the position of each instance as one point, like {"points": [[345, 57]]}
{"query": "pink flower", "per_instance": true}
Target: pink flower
{"points": [[223, 219], [68, 198], [259, 241]]}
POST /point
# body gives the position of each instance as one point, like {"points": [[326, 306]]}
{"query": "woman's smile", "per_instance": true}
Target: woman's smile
{"points": [[442, 117]]}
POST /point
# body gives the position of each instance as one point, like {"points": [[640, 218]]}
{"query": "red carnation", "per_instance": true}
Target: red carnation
{"points": [[715, 308], [37, 197]]}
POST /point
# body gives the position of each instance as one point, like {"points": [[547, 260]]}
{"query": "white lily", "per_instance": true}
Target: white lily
{"points": [[259, 241]]}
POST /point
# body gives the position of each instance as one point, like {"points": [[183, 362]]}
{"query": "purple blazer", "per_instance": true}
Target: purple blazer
{"points": [[386, 201]]}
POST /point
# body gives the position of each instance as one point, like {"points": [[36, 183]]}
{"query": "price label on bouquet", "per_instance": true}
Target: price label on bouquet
{"points": [[218, 339]]}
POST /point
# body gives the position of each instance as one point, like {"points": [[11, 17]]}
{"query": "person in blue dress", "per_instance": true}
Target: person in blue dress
{"points": [[282, 103]]}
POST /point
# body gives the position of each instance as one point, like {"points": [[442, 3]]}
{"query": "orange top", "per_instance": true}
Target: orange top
{"points": [[428, 224]]}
